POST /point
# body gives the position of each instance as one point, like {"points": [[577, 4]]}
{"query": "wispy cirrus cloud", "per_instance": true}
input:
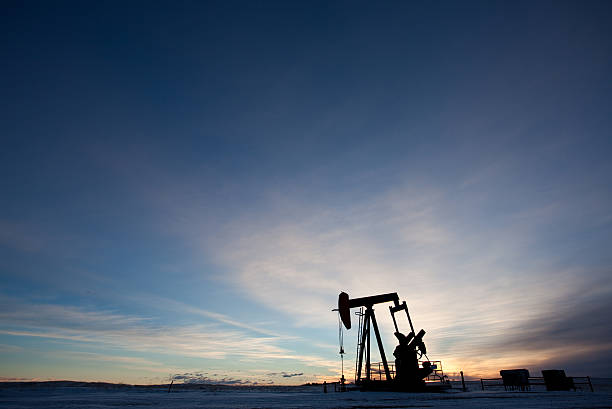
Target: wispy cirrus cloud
{"points": [[183, 308], [221, 340], [299, 261], [131, 362], [463, 256], [469, 285]]}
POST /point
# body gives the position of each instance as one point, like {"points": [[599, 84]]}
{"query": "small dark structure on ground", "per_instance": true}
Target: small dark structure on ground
{"points": [[409, 374], [552, 379], [556, 380], [515, 379]]}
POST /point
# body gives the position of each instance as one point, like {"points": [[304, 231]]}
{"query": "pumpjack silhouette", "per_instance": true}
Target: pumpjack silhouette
{"points": [[409, 373]]}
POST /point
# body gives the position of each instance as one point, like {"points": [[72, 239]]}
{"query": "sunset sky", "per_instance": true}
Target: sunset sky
{"points": [[187, 186]]}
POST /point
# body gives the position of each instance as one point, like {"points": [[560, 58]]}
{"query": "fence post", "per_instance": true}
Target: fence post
{"points": [[482, 383], [463, 382], [590, 384]]}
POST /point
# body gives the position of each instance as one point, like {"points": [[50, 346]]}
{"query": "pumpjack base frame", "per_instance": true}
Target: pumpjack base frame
{"points": [[384, 386]]}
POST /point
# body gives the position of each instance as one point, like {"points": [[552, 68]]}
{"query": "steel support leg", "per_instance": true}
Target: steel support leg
{"points": [[380, 346]]}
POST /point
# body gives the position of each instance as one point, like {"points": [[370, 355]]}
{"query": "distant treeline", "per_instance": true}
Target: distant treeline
{"points": [[164, 387]]}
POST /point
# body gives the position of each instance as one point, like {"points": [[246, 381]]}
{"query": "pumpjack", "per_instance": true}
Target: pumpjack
{"points": [[408, 374]]}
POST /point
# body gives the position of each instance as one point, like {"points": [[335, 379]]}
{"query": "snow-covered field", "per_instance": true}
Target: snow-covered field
{"points": [[292, 397]]}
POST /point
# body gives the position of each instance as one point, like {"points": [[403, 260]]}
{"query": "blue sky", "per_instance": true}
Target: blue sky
{"points": [[187, 187]]}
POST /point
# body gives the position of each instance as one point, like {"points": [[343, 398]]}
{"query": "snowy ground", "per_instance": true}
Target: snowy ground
{"points": [[292, 397]]}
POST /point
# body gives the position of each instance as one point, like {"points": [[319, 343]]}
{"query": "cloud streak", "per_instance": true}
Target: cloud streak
{"points": [[460, 258], [139, 335], [465, 284]]}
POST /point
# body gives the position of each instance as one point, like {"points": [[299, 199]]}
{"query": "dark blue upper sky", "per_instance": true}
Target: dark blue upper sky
{"points": [[160, 155]]}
